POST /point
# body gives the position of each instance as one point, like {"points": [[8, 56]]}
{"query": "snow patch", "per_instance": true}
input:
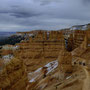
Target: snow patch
{"points": [[50, 67], [88, 45], [68, 77], [31, 35]]}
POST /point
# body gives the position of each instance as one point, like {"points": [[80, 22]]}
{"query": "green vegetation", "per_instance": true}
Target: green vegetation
{"points": [[12, 40]]}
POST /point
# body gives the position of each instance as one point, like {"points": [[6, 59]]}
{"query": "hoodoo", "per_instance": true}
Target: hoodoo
{"points": [[65, 61]]}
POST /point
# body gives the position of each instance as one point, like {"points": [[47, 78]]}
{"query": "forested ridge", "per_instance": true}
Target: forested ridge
{"points": [[12, 40]]}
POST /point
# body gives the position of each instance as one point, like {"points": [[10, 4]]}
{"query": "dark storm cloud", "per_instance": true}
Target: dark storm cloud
{"points": [[19, 12], [86, 2], [45, 2], [21, 15], [23, 12]]}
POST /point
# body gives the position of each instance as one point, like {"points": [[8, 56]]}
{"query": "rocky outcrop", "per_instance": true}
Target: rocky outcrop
{"points": [[82, 49], [40, 49], [65, 61], [13, 75], [78, 38]]}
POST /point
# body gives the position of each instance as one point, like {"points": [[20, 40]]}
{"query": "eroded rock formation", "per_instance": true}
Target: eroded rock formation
{"points": [[65, 61], [13, 75], [40, 49]]}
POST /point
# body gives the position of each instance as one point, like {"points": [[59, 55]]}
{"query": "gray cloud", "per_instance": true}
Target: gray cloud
{"points": [[86, 2], [45, 2], [21, 15], [24, 12]]}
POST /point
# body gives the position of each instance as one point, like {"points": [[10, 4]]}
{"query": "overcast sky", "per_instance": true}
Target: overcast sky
{"points": [[25, 15]]}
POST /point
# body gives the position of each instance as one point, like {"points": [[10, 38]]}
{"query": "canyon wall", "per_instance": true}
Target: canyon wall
{"points": [[13, 75], [41, 48]]}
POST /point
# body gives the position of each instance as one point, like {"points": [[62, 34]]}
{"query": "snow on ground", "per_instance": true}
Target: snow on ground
{"points": [[7, 58], [88, 45], [34, 75], [68, 77], [50, 67], [31, 35], [10, 47]]}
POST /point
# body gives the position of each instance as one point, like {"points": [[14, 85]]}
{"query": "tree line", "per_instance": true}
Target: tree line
{"points": [[12, 40]]}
